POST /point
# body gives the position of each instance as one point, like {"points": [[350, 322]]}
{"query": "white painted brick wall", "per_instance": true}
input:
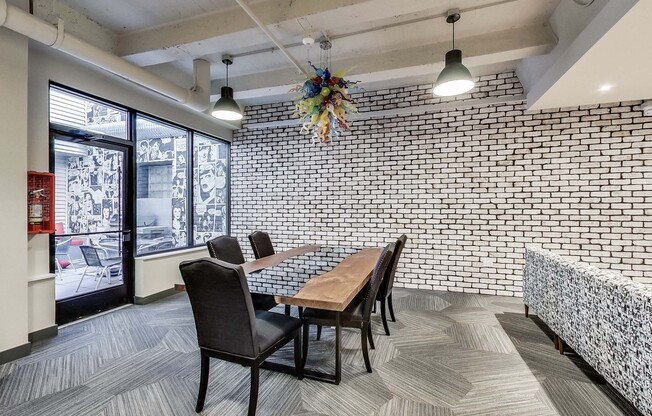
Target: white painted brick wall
{"points": [[470, 187]]}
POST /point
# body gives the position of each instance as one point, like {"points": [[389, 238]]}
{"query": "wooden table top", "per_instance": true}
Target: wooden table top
{"points": [[278, 258], [335, 289]]}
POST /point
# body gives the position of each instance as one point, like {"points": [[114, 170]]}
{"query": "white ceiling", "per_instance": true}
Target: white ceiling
{"points": [[613, 68], [382, 43]]}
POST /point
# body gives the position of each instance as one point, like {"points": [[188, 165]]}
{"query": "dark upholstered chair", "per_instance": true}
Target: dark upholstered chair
{"points": [[228, 249], [228, 327], [261, 244], [385, 291], [225, 248], [357, 314]]}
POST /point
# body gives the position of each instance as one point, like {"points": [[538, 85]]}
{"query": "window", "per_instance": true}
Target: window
{"points": [[211, 190], [73, 110], [171, 211], [162, 194]]}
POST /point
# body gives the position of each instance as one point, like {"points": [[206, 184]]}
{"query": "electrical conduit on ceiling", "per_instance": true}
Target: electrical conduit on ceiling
{"points": [[196, 98], [271, 36]]}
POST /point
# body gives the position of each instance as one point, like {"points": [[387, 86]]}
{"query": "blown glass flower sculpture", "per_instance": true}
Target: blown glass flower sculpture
{"points": [[324, 105]]}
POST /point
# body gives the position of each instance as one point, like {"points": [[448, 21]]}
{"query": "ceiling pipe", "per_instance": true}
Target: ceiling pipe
{"points": [[196, 98], [271, 36]]}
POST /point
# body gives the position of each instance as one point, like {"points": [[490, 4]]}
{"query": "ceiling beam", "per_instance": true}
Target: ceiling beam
{"points": [[417, 63], [230, 26]]}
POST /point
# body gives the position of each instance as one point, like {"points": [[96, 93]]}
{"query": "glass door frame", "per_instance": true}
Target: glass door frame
{"points": [[91, 303]]}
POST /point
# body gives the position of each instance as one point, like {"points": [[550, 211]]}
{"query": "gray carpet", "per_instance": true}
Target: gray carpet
{"points": [[449, 354]]}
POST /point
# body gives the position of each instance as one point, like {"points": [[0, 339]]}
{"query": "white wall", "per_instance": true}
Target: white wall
{"points": [[160, 272], [13, 187], [470, 186]]}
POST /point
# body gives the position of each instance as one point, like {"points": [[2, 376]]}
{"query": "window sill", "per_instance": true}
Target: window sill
{"points": [[182, 251]]}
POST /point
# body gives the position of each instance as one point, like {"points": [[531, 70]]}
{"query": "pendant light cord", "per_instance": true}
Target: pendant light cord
{"points": [[453, 36], [227, 75]]}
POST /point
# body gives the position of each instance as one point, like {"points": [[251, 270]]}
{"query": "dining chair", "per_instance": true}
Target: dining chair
{"points": [[261, 244], [228, 327], [357, 314], [227, 248], [61, 256], [385, 291], [102, 266]]}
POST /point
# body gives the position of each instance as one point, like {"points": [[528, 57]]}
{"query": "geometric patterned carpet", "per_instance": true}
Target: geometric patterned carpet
{"points": [[449, 354]]}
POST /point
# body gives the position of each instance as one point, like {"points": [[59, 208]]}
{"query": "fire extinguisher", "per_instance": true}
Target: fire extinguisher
{"points": [[36, 209]]}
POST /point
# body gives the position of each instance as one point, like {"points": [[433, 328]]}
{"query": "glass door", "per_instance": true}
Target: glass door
{"points": [[91, 249]]}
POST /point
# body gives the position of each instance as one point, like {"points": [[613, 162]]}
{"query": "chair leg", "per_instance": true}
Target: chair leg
{"points": [[364, 333], [253, 393], [371, 337], [304, 356], [527, 311], [59, 269], [391, 308], [297, 357], [104, 270], [203, 382], [318, 332], [82, 279], [383, 315], [287, 310], [71, 263]]}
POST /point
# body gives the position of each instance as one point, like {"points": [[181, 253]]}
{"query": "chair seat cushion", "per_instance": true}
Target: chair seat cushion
{"points": [[272, 327], [63, 263], [262, 302], [352, 313]]}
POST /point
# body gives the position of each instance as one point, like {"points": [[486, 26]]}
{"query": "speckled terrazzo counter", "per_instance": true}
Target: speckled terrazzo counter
{"points": [[605, 317]]}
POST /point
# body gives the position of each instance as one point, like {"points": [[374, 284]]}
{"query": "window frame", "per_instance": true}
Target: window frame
{"points": [[227, 202]]}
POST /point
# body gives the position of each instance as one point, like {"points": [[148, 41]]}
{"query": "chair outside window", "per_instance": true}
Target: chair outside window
{"points": [[103, 267], [61, 256], [228, 327], [357, 314], [385, 290], [261, 244], [226, 248]]}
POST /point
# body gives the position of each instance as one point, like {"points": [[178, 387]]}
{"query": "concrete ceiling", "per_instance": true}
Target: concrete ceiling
{"points": [[381, 43]]}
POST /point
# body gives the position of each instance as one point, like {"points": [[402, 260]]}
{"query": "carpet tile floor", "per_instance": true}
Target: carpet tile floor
{"points": [[449, 354]]}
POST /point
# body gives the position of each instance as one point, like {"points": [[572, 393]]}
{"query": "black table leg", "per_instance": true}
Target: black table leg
{"points": [[321, 376], [338, 349]]}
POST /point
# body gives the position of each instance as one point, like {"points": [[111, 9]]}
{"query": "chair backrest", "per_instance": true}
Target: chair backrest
{"points": [[221, 303], [63, 245], [261, 244], [388, 280], [90, 256], [376, 280], [225, 248]]}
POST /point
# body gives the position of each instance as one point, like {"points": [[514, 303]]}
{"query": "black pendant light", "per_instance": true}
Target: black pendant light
{"points": [[226, 108], [455, 78]]}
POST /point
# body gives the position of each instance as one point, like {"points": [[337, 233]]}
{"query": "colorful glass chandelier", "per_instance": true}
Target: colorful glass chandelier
{"points": [[324, 104]]}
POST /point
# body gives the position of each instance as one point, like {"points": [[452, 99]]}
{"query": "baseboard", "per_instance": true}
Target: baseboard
{"points": [[154, 297], [15, 353], [44, 333]]}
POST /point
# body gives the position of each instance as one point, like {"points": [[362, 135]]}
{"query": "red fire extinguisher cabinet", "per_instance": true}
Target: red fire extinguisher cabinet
{"points": [[40, 202]]}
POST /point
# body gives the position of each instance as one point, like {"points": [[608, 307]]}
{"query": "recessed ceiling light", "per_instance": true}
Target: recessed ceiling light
{"points": [[605, 87]]}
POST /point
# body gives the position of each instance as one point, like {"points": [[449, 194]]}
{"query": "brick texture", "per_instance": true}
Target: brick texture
{"points": [[470, 186]]}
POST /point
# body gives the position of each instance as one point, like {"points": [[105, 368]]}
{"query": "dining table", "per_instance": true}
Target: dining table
{"points": [[328, 278]]}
